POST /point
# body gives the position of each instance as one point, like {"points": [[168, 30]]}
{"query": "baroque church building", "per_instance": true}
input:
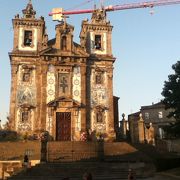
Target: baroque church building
{"points": [[58, 85]]}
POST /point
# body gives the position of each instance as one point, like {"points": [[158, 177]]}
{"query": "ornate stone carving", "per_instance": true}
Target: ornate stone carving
{"points": [[99, 118], [77, 83], [45, 40], [99, 16], [24, 118], [26, 96], [29, 11], [51, 81]]}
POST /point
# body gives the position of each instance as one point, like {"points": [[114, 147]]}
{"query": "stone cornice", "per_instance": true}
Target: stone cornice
{"points": [[28, 22], [100, 27], [102, 58], [24, 53]]}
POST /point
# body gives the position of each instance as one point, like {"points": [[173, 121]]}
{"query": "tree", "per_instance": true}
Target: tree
{"points": [[171, 93]]}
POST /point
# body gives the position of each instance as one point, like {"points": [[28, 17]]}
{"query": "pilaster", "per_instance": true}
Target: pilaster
{"points": [[141, 129], [111, 131], [14, 69], [83, 98]]}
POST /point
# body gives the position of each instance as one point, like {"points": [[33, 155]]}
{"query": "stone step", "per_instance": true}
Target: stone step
{"points": [[74, 177], [71, 178], [53, 171]]}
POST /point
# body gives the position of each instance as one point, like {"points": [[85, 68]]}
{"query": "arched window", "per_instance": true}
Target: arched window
{"points": [[64, 43]]}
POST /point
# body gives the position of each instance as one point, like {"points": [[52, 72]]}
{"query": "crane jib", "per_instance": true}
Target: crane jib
{"points": [[146, 4]]}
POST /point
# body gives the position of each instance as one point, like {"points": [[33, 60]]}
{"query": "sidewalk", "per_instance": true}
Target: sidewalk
{"points": [[172, 174], [163, 177]]}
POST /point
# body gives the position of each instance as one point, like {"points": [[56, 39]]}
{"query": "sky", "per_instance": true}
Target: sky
{"points": [[145, 46]]}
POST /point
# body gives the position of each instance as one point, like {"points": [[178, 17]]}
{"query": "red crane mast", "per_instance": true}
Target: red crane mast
{"points": [[146, 4]]}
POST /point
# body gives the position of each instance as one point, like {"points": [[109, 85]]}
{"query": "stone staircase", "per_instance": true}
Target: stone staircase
{"points": [[73, 159], [75, 171]]}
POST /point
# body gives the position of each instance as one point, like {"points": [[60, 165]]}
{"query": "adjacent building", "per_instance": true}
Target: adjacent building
{"points": [[154, 115]]}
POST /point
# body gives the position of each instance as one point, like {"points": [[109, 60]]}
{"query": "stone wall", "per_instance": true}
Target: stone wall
{"points": [[16, 150], [118, 148], [72, 151], [168, 145]]}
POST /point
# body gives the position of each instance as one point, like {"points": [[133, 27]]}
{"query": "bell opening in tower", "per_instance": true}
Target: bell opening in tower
{"points": [[27, 38], [98, 42]]}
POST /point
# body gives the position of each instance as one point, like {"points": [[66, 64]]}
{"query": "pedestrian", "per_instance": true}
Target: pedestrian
{"points": [[87, 176], [26, 161], [131, 175]]}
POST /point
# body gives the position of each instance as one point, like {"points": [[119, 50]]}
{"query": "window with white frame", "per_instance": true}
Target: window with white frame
{"points": [[146, 115], [160, 114]]}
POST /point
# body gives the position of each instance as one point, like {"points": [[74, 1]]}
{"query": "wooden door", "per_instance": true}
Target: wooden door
{"points": [[63, 126]]}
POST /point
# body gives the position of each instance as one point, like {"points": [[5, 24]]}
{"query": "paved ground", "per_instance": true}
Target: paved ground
{"points": [[163, 177], [173, 174]]}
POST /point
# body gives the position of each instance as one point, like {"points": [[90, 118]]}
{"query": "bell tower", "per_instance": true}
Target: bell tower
{"points": [[95, 38], [96, 35], [28, 31], [30, 39]]}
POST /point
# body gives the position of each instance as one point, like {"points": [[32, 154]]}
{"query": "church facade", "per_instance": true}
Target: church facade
{"points": [[58, 85]]}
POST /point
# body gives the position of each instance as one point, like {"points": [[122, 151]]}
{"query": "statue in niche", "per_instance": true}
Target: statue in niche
{"points": [[99, 79], [24, 116], [26, 77], [99, 117]]}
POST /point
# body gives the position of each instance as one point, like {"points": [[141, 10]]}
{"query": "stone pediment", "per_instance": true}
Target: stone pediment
{"points": [[101, 107], [77, 50], [26, 106], [69, 101], [48, 50]]}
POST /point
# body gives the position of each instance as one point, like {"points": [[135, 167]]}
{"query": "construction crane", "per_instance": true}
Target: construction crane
{"points": [[59, 13]]}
